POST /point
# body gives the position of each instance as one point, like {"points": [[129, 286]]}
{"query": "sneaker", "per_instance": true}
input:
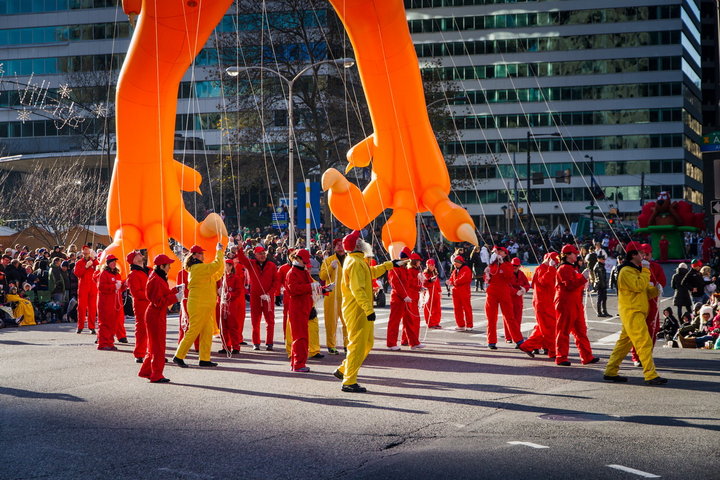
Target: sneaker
{"points": [[180, 362], [269, 348], [536, 351], [161, 380], [79, 330], [354, 388], [593, 360], [508, 341], [92, 332], [656, 381], [338, 374], [615, 378], [243, 343], [108, 349], [566, 363], [637, 363], [529, 354], [139, 360], [318, 356], [418, 346], [492, 346], [256, 347], [469, 329], [205, 363], [301, 370], [394, 348], [459, 329], [235, 351], [333, 351], [123, 340], [223, 351]]}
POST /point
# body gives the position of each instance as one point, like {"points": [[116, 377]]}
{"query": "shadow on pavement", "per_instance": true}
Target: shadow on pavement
{"points": [[19, 393]]}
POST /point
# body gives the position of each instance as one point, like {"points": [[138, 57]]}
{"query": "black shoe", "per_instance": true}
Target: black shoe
{"points": [[338, 374], [492, 346], [333, 351], [529, 354], [79, 330], [566, 363], [222, 351], [256, 347], [139, 359], [123, 340], [160, 380], [243, 343], [354, 388], [269, 348], [205, 363], [614, 378], [92, 332], [180, 362], [236, 351], [594, 360], [536, 351], [167, 361], [656, 381], [318, 356]]}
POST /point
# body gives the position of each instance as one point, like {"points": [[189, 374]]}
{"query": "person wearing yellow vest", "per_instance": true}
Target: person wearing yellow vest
{"points": [[634, 291], [331, 272], [202, 279], [357, 307]]}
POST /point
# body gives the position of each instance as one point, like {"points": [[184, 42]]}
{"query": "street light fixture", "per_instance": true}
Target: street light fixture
{"points": [[531, 136], [290, 82]]}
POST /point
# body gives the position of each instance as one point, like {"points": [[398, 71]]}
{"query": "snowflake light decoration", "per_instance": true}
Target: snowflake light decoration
{"points": [[2, 68], [24, 115], [64, 91], [100, 110]]}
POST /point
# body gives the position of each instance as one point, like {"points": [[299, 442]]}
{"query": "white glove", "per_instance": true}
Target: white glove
{"points": [[651, 284], [89, 264], [521, 292], [118, 284], [181, 287], [493, 258], [586, 273], [408, 299], [265, 298], [219, 291], [329, 287], [219, 246], [334, 264], [315, 285], [645, 264], [179, 296]]}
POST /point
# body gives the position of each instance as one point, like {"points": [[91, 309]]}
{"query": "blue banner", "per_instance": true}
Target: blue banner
{"points": [[314, 199]]}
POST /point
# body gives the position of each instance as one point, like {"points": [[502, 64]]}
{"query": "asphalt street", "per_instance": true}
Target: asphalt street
{"points": [[455, 410]]}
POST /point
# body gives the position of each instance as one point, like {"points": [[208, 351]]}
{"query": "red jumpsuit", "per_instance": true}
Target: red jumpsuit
{"points": [[460, 281], [282, 273], [110, 307], [405, 284], [519, 281], [298, 290], [137, 281], [499, 290], [657, 276], [264, 280], [432, 309], [570, 314], [543, 284], [87, 292], [160, 296], [231, 300]]}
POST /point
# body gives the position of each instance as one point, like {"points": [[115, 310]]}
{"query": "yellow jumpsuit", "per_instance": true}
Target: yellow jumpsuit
{"points": [[202, 297], [357, 304], [332, 303], [634, 291], [24, 307]]}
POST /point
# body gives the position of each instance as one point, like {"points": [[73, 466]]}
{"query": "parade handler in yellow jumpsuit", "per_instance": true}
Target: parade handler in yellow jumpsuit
{"points": [[634, 291], [202, 284], [357, 307], [331, 272]]}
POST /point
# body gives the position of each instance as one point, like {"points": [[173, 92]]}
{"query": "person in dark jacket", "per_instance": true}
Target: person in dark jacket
{"points": [[681, 297], [670, 326], [694, 282], [600, 284]]}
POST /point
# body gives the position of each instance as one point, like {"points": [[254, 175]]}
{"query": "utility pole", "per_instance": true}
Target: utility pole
{"points": [[592, 195], [642, 189], [516, 215]]}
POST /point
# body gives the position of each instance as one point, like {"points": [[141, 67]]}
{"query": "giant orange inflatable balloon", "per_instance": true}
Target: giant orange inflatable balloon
{"points": [[409, 172], [145, 205]]}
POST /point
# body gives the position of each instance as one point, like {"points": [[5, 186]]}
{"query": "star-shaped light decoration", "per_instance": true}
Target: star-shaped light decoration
{"points": [[100, 110], [64, 91], [24, 115], [2, 68]]}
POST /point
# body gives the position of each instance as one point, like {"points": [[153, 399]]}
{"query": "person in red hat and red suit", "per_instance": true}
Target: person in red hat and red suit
{"points": [[230, 301], [433, 306], [264, 286], [87, 289], [570, 310], [160, 296], [110, 304], [202, 281], [543, 283], [137, 281], [459, 282], [658, 280], [498, 279], [404, 301], [282, 275], [331, 273], [520, 286]]}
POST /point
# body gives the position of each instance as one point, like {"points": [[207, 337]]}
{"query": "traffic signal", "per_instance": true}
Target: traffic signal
{"points": [[563, 176]]}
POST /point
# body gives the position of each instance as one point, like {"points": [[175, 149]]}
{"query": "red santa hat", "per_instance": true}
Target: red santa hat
{"points": [[350, 241]]}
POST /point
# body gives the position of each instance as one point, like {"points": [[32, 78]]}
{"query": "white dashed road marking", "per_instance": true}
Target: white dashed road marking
{"points": [[528, 444], [634, 471]]}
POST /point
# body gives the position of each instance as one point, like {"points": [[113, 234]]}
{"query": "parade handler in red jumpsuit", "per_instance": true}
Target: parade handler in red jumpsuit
{"points": [[232, 303], [433, 307], [87, 290], [357, 307], [110, 303], [543, 283], [570, 311], [404, 302], [137, 281], [264, 286], [459, 282], [499, 277], [160, 296], [520, 286]]}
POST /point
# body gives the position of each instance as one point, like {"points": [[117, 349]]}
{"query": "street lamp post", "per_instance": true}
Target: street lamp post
{"points": [[531, 136], [234, 72], [592, 195]]}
